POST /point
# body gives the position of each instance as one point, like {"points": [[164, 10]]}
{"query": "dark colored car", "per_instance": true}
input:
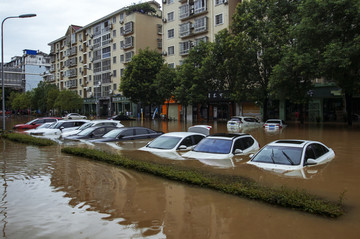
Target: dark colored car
{"points": [[128, 133], [91, 133], [33, 124], [121, 117]]}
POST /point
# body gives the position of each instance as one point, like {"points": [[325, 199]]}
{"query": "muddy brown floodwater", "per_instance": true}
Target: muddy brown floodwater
{"points": [[48, 194]]}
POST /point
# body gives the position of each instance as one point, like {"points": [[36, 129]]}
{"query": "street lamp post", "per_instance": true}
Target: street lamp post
{"points": [[2, 61]]}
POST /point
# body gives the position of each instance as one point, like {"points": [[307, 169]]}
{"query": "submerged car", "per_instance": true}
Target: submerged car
{"points": [[121, 117], [33, 124], [127, 133], [91, 133], [92, 123], [182, 141], [59, 127], [74, 116], [283, 155], [223, 146], [243, 121], [274, 124]]}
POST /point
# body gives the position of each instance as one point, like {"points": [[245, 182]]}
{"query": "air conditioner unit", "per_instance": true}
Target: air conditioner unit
{"points": [[110, 26], [90, 93], [192, 44], [164, 1], [110, 91], [164, 20], [164, 53], [225, 1], [91, 47], [91, 59], [192, 11], [91, 35], [121, 21], [192, 25], [110, 74]]}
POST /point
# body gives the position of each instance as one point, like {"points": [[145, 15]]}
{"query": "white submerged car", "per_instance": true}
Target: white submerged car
{"points": [[242, 121], [223, 146], [274, 124], [92, 123], [175, 141], [59, 127], [286, 155]]}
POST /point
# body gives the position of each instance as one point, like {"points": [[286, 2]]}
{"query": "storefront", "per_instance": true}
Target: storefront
{"points": [[122, 105]]}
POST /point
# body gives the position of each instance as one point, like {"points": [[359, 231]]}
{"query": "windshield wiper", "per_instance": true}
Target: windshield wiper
{"points": [[288, 158]]}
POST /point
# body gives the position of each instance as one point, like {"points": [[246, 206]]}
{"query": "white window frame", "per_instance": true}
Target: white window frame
{"points": [[171, 31], [171, 50], [171, 16]]}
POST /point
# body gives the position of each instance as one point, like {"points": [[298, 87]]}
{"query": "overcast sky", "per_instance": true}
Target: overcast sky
{"points": [[52, 20]]}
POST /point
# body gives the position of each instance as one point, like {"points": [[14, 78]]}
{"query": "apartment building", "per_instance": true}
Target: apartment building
{"points": [[185, 24], [33, 66], [91, 59]]}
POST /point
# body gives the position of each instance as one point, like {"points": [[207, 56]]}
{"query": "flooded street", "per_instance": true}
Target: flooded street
{"points": [[48, 194]]}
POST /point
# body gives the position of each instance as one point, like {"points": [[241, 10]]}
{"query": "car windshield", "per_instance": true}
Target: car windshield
{"points": [[235, 119], [56, 126], [85, 132], [86, 125], [31, 121], [113, 133], [214, 145], [46, 125], [279, 155], [164, 142]]}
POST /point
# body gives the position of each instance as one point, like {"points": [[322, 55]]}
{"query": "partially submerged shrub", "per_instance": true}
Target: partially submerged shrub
{"points": [[27, 139], [235, 185]]}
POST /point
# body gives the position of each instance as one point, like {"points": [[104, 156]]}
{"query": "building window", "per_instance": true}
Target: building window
{"points": [[114, 33], [122, 58], [159, 43], [199, 6], [106, 65], [114, 86], [219, 19], [171, 50], [171, 65], [114, 46], [114, 73], [170, 16], [184, 11], [185, 47], [106, 39], [128, 56], [184, 29], [106, 52], [129, 42], [171, 33], [218, 2], [201, 39], [121, 44], [200, 24], [97, 42], [121, 16], [121, 72], [159, 29], [114, 60], [114, 19], [170, 1]]}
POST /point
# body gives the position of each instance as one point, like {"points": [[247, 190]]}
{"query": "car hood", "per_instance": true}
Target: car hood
{"points": [[201, 155], [46, 132]]}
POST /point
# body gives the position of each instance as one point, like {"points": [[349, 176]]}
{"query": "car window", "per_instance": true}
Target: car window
{"points": [[109, 124], [78, 123], [40, 121], [247, 142], [67, 124], [164, 142], [187, 141], [50, 120], [141, 131], [99, 132], [315, 151], [235, 119], [128, 132], [238, 144], [198, 138]]}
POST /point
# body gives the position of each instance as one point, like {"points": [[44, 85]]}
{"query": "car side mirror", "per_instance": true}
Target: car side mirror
{"points": [[61, 128], [238, 151], [251, 155], [182, 147], [311, 161]]}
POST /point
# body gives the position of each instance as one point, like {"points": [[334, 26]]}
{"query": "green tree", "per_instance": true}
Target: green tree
{"points": [[52, 94], [192, 87], [261, 28], [68, 101], [20, 101], [39, 100], [138, 80], [165, 84], [331, 29]]}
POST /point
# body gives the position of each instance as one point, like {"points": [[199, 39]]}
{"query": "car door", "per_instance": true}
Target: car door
{"points": [[127, 134]]}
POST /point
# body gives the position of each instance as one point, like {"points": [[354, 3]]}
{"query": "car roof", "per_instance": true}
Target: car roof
{"points": [[291, 143], [181, 134], [227, 136]]}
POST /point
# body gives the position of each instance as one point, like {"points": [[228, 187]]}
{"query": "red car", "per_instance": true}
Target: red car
{"points": [[36, 122]]}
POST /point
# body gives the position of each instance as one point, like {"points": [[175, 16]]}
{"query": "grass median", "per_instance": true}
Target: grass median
{"points": [[236, 185], [27, 139]]}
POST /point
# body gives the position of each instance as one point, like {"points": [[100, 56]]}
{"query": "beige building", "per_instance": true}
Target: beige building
{"points": [[185, 24], [91, 59]]}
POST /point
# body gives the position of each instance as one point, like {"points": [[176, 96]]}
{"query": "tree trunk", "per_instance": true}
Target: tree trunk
{"points": [[265, 109]]}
